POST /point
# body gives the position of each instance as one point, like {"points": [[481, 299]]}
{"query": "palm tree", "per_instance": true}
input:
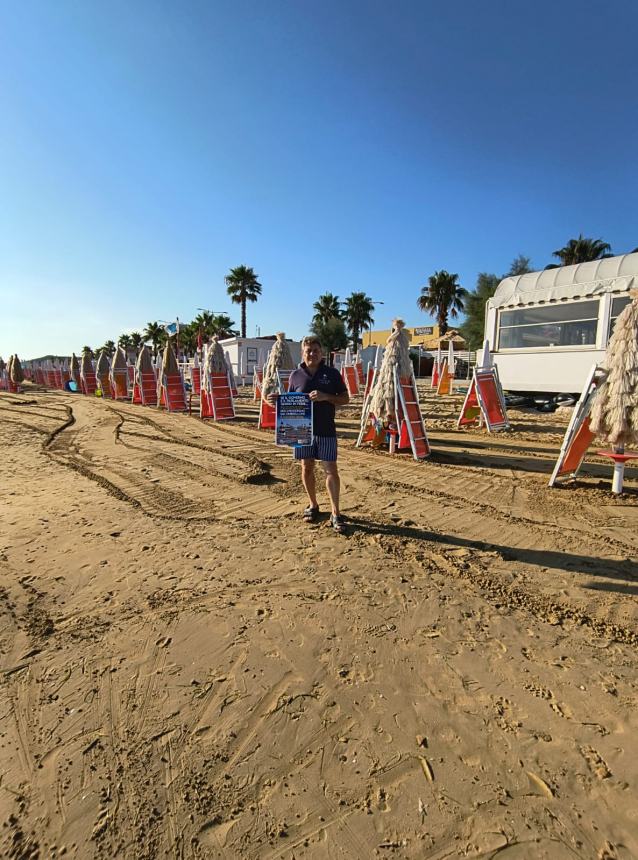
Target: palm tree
{"points": [[223, 326], [204, 321], [108, 348], [357, 315], [521, 265], [242, 286], [443, 296], [87, 349], [136, 341], [326, 307], [583, 250], [156, 334], [188, 337], [124, 341]]}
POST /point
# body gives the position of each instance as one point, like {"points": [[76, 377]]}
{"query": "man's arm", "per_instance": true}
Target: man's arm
{"points": [[336, 399]]}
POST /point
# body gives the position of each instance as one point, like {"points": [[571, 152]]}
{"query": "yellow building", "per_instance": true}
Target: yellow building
{"points": [[426, 336]]}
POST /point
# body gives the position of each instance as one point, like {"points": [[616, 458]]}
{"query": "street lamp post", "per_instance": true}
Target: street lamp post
{"points": [[374, 302]]}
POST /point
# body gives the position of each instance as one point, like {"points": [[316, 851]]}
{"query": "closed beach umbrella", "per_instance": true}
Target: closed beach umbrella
{"points": [[75, 369], [395, 355], [169, 362], [614, 414], [144, 363], [280, 358], [486, 360], [215, 361], [86, 363], [119, 373], [102, 366], [119, 362], [16, 374]]}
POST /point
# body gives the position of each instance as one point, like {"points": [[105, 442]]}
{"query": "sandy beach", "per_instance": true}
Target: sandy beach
{"points": [[189, 671]]}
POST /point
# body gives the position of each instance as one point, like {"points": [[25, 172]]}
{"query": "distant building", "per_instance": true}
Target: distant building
{"points": [[425, 336]]}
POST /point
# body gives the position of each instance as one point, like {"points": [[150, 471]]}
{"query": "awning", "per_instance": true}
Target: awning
{"points": [[613, 275]]}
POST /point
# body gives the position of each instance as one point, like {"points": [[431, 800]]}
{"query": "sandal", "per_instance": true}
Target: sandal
{"points": [[310, 514], [337, 523]]}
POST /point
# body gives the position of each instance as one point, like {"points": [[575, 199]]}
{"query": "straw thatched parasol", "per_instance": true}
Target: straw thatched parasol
{"points": [[169, 362], [614, 414], [215, 361], [280, 358], [396, 354], [16, 373], [144, 363]]}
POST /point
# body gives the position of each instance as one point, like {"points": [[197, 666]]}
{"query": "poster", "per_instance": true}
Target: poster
{"points": [[293, 422]]}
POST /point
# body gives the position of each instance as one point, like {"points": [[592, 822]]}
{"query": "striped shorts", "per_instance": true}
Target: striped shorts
{"points": [[322, 448]]}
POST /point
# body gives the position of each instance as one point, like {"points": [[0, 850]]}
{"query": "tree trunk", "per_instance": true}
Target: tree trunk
{"points": [[243, 318]]}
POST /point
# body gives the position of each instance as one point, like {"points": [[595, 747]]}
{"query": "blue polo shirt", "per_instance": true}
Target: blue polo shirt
{"points": [[326, 379]]}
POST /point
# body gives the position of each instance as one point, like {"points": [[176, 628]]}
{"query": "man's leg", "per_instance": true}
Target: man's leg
{"points": [[333, 484], [308, 480]]}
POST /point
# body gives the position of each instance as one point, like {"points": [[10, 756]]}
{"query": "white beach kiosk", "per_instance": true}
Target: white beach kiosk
{"points": [[548, 328], [244, 353]]}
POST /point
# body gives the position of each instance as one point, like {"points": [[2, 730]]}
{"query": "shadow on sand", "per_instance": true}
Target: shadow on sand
{"points": [[625, 570]]}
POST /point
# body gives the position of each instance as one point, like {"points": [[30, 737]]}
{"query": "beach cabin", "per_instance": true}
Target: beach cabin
{"points": [[546, 329], [244, 353]]}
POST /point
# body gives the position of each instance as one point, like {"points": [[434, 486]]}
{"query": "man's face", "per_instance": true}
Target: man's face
{"points": [[312, 353]]}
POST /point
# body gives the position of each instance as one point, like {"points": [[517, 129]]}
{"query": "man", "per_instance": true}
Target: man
{"points": [[326, 389]]}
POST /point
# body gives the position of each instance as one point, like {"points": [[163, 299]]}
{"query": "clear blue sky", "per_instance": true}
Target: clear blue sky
{"points": [[147, 147]]}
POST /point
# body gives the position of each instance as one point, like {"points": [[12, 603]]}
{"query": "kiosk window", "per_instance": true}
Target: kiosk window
{"points": [[618, 304], [568, 324]]}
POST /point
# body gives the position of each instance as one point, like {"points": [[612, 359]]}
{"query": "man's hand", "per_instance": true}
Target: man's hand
{"points": [[335, 399]]}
